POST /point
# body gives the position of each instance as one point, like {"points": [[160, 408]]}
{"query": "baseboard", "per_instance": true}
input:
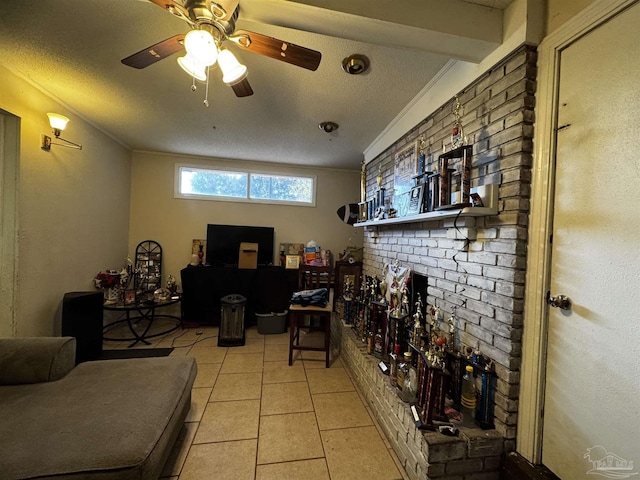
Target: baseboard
{"points": [[516, 467]]}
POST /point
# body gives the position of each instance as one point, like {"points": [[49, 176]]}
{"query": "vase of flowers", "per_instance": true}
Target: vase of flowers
{"points": [[110, 283]]}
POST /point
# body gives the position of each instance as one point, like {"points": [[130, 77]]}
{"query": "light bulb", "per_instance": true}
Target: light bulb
{"points": [[232, 70], [201, 46], [192, 67], [57, 121]]}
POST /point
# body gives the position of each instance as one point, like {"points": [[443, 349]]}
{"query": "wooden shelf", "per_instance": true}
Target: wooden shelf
{"points": [[488, 193], [441, 214]]}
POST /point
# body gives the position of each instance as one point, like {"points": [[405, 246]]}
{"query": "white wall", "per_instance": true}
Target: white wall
{"points": [[174, 222], [559, 11], [73, 207]]}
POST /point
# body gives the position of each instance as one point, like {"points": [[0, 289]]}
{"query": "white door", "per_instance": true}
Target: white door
{"points": [[591, 423]]}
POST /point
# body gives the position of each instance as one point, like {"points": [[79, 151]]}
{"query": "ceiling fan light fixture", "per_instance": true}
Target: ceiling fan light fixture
{"points": [[232, 70], [192, 67], [201, 46]]}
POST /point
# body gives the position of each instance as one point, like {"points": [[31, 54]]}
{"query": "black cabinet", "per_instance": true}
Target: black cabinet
{"points": [[82, 318], [267, 289]]}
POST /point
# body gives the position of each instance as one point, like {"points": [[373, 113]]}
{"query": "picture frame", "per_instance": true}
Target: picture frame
{"points": [[130, 297], [476, 200], [405, 167], [401, 203], [362, 212], [292, 248], [415, 200], [292, 262]]}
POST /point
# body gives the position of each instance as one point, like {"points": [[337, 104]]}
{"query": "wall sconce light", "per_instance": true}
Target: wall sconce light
{"points": [[58, 123]]}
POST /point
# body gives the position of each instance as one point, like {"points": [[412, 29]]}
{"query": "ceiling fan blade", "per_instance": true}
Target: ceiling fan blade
{"points": [[242, 89], [173, 7], [274, 48], [155, 53], [223, 9]]}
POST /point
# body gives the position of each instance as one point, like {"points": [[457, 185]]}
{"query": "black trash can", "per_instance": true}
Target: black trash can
{"points": [[231, 333]]}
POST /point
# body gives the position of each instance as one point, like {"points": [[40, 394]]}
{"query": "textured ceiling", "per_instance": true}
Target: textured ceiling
{"points": [[72, 49]]}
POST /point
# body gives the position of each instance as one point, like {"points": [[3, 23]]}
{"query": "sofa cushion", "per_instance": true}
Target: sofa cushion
{"points": [[35, 359], [115, 419]]}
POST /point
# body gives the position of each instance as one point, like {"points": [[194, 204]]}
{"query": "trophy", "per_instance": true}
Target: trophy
{"points": [[417, 324], [458, 138], [453, 341], [363, 182], [380, 189], [421, 155]]}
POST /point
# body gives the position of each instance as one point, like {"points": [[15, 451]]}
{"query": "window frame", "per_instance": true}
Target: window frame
{"points": [[248, 172]]}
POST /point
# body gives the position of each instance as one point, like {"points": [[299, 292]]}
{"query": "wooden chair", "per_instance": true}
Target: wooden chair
{"points": [[311, 277]]}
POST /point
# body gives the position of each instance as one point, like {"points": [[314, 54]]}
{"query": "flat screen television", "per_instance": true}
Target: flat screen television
{"points": [[223, 243]]}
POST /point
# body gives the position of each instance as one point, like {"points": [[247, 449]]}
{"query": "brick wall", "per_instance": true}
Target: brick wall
{"points": [[475, 265]]}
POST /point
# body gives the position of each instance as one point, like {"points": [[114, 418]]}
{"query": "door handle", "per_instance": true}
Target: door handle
{"points": [[560, 301]]}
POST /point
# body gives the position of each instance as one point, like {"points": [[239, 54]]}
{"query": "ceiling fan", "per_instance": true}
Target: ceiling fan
{"points": [[213, 23]]}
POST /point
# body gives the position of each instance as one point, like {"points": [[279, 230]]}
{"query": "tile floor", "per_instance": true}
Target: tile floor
{"points": [[255, 417]]}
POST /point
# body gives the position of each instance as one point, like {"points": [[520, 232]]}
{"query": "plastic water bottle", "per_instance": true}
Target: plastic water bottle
{"points": [[468, 398]]}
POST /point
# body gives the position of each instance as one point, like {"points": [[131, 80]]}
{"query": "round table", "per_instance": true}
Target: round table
{"points": [[137, 313]]}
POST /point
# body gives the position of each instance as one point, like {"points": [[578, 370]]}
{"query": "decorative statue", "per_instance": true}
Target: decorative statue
{"points": [[404, 304], [172, 286], [419, 306], [417, 324], [394, 298], [383, 291], [436, 316], [124, 278], [417, 329], [348, 289], [129, 266], [434, 312]]}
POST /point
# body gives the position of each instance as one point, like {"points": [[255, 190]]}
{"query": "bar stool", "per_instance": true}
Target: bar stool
{"points": [[311, 277]]}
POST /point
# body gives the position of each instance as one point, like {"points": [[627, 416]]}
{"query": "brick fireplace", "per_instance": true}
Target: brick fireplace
{"points": [[474, 266]]}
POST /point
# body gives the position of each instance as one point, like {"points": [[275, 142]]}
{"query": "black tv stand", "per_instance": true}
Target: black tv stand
{"points": [[267, 289]]}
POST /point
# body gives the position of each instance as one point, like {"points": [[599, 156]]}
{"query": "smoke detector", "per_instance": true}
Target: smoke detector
{"points": [[355, 64], [328, 126]]}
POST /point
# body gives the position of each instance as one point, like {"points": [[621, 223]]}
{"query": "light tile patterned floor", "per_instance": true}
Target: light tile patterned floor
{"points": [[255, 417]]}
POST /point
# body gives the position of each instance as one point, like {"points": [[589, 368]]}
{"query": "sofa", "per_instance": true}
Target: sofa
{"points": [[109, 419]]}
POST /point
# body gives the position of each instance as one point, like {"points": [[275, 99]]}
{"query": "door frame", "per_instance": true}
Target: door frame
{"points": [[9, 174], [534, 341]]}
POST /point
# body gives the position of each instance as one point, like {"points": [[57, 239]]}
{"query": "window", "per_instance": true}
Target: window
{"points": [[214, 183], [209, 184], [278, 187]]}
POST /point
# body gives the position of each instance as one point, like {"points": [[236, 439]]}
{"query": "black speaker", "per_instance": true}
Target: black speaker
{"points": [[82, 318]]}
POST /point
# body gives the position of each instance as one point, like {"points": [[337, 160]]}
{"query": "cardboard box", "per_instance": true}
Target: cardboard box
{"points": [[312, 256], [248, 255], [271, 322]]}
